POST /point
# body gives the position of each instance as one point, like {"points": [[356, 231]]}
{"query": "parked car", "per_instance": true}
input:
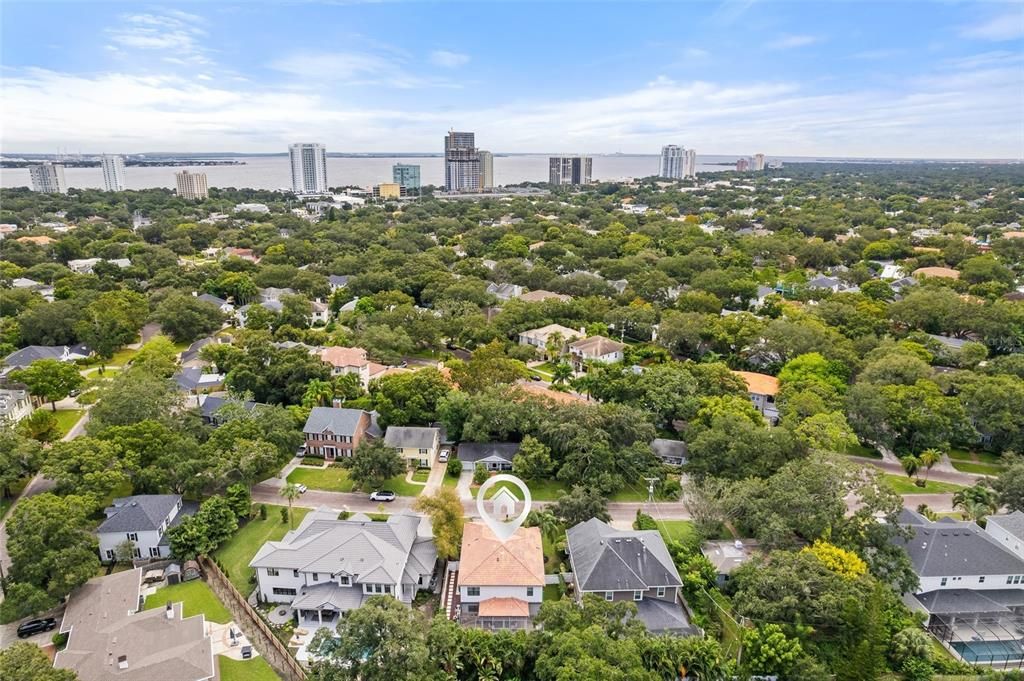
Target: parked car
{"points": [[443, 456], [33, 627], [535, 377], [302, 488], [246, 652], [382, 495], [300, 452]]}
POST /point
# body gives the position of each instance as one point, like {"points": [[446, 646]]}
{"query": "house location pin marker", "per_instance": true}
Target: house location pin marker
{"points": [[503, 505]]}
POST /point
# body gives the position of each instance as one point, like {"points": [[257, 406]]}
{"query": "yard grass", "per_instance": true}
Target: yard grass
{"points": [[676, 530], [421, 475], [633, 493], [540, 490], [981, 468], [399, 486], [66, 419], [552, 592], [731, 634], [449, 480], [234, 555], [197, 597], [332, 478], [859, 449], [904, 485], [960, 455], [552, 556], [255, 669]]}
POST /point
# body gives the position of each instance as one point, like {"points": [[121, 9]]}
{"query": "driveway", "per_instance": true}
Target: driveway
{"points": [[9, 632]]}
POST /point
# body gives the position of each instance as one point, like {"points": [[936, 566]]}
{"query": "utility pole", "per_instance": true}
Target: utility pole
{"points": [[650, 488]]}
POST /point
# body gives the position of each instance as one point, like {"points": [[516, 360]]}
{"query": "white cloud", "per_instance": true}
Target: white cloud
{"points": [[355, 68], [1009, 26], [448, 60], [968, 108], [169, 31], [790, 42]]}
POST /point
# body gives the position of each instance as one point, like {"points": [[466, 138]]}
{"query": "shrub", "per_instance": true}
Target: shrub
{"points": [[644, 521], [284, 514], [480, 474], [455, 468], [60, 640], [263, 511]]}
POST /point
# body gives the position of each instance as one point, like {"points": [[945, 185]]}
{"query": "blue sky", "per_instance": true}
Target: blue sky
{"points": [[894, 79]]}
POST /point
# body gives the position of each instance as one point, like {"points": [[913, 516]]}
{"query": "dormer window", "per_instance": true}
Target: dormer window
{"points": [[344, 580]]}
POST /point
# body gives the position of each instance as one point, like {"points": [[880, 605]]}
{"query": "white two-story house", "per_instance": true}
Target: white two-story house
{"points": [[500, 583], [326, 567], [143, 520]]}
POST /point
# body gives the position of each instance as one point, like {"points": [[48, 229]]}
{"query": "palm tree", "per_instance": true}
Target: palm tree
{"points": [[291, 493], [554, 345], [318, 393], [911, 465], [977, 501], [929, 458], [548, 524], [561, 373]]}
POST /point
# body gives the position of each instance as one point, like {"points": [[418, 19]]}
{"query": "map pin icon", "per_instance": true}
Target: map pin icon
{"points": [[503, 505]]}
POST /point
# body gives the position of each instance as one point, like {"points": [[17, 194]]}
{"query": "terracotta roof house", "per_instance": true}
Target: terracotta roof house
{"points": [[944, 272], [109, 638], [762, 389], [501, 583], [344, 360], [595, 349], [530, 388], [37, 240], [632, 565], [542, 295]]}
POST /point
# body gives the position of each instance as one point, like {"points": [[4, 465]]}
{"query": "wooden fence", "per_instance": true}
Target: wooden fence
{"points": [[252, 625]]}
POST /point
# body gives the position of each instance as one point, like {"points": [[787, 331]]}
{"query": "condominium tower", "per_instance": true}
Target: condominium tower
{"points": [[113, 172], [486, 169], [461, 162], [690, 163], [407, 176], [191, 186], [48, 178], [570, 170], [758, 163], [672, 162], [309, 168]]}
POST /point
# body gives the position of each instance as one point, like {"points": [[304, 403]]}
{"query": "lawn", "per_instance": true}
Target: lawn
{"points": [[552, 592], [421, 475], [859, 449], [904, 485], [541, 490], [332, 478], [981, 468], [985, 463], [197, 597], [237, 551], [66, 419], [449, 480], [552, 557], [676, 530], [399, 486], [255, 669]]}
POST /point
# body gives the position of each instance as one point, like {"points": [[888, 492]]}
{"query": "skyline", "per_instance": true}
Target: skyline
{"points": [[914, 80]]}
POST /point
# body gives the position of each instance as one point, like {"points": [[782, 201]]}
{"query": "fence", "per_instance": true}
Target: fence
{"points": [[249, 621]]}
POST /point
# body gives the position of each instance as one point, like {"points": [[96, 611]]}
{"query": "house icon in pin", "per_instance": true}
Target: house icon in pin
{"points": [[503, 504]]}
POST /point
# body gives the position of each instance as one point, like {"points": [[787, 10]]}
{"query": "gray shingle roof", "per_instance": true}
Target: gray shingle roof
{"points": [[961, 601], [338, 421], [25, 356], [664, 616], [955, 549], [606, 559], [1011, 522], [471, 452], [669, 449], [140, 513], [410, 437]]}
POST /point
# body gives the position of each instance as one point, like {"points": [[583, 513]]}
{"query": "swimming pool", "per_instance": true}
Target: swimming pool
{"points": [[989, 651]]}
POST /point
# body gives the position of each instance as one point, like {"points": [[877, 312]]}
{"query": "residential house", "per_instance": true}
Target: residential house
{"points": [[762, 390], [762, 295], [15, 402], [1008, 530], [941, 272], [495, 456], [195, 381], [45, 290], [210, 407], [633, 565], [971, 585], [352, 361], [337, 281], [243, 253], [326, 567], [595, 349], [500, 583], [891, 272], [539, 338], [23, 358], [111, 637], [320, 312], [331, 432], [821, 283], [672, 452], [86, 265], [728, 554], [222, 305], [37, 240], [505, 291], [416, 445], [144, 520], [542, 295], [272, 293]]}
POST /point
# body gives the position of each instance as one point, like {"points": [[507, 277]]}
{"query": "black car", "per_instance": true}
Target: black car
{"points": [[33, 627]]}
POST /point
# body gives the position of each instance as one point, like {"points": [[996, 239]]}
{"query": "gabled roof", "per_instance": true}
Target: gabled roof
{"points": [[392, 551], [485, 560], [338, 421], [338, 280], [344, 357], [606, 559], [936, 272], [540, 295], [544, 332], [209, 405], [409, 437], [671, 449], [210, 298], [192, 378], [597, 346], [471, 452], [1013, 523], [140, 513], [955, 549], [25, 356]]}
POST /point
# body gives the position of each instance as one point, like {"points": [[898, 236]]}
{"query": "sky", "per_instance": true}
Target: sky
{"points": [[913, 79]]}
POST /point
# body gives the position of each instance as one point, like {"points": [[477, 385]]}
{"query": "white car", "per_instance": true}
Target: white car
{"points": [[443, 456], [302, 489], [382, 495]]}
